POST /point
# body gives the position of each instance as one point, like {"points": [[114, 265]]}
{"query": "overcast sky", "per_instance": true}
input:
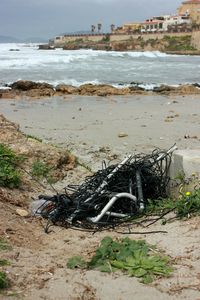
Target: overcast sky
{"points": [[47, 18]]}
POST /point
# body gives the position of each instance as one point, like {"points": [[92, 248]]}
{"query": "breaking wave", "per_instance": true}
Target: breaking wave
{"points": [[76, 67]]}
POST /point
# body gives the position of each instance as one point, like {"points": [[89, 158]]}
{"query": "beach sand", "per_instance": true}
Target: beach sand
{"points": [[96, 128], [90, 127]]}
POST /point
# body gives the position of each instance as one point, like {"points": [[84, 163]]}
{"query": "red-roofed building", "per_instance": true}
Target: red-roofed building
{"points": [[162, 23], [152, 25]]}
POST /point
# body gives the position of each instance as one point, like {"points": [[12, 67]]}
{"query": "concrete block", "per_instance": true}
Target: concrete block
{"points": [[185, 162]]}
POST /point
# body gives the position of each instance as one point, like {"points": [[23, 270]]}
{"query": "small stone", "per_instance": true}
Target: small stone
{"points": [[22, 212], [122, 134]]}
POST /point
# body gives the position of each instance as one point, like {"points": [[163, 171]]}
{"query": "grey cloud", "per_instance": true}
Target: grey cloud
{"points": [[46, 18]]}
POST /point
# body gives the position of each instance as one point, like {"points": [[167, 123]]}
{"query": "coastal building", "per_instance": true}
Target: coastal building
{"points": [[187, 19], [130, 27], [152, 25], [191, 8], [163, 23]]}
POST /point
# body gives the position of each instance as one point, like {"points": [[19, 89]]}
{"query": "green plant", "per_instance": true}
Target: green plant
{"points": [[9, 175], [180, 176], [135, 258], [4, 283], [188, 204], [106, 38], [4, 245], [29, 136], [178, 43], [76, 262], [159, 206], [142, 43], [40, 169], [4, 262], [152, 42], [82, 164]]}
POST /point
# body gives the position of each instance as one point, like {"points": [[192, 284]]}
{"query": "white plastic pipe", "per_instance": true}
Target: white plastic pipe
{"points": [[110, 204]]}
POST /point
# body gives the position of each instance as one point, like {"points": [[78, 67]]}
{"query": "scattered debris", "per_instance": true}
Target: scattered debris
{"points": [[187, 136], [112, 195]]}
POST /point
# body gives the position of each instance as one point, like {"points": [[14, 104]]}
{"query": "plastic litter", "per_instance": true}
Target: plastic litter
{"points": [[112, 195]]}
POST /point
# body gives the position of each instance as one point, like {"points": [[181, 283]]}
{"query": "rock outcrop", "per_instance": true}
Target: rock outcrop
{"points": [[187, 89], [37, 90], [101, 90], [33, 89], [66, 89]]}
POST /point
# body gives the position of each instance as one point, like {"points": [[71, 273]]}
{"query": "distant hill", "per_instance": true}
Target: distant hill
{"points": [[8, 39], [34, 40], [78, 32]]}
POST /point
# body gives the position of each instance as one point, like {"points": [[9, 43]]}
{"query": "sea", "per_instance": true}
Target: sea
{"points": [[77, 67]]}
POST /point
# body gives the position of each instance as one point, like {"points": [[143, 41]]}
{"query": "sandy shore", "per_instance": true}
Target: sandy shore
{"points": [[91, 126], [97, 128]]}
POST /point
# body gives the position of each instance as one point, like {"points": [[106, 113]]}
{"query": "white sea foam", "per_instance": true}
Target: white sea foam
{"points": [[154, 54], [91, 66], [4, 88], [148, 87], [73, 82]]}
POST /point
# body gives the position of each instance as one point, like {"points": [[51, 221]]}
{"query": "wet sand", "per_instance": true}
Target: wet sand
{"points": [[90, 126]]}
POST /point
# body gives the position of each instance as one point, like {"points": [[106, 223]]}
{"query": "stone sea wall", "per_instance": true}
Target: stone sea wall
{"points": [[150, 41]]}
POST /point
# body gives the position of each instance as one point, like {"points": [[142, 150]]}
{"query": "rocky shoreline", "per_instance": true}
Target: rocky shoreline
{"points": [[31, 89], [118, 47]]}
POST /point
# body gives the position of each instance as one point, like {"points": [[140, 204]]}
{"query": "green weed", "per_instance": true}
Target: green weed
{"points": [[135, 258], [4, 245], [4, 283], [9, 175], [82, 164], [40, 169], [29, 136], [76, 262], [106, 38], [4, 262], [178, 43], [187, 205]]}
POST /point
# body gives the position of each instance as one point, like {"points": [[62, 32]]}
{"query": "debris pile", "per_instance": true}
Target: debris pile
{"points": [[112, 195]]}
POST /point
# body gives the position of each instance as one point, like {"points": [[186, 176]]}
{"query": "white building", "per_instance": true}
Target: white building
{"points": [[152, 26], [175, 20], [161, 23]]}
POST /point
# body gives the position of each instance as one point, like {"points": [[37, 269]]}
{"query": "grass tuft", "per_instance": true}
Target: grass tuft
{"points": [[9, 175], [4, 282], [4, 245]]}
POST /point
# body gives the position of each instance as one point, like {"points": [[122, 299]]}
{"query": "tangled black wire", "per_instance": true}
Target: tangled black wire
{"points": [[143, 176]]}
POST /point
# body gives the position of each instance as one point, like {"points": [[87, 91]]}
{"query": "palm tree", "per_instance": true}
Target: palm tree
{"points": [[112, 27], [99, 26], [93, 28]]}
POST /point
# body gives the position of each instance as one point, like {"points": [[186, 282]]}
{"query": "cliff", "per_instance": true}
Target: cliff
{"points": [[179, 42]]}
